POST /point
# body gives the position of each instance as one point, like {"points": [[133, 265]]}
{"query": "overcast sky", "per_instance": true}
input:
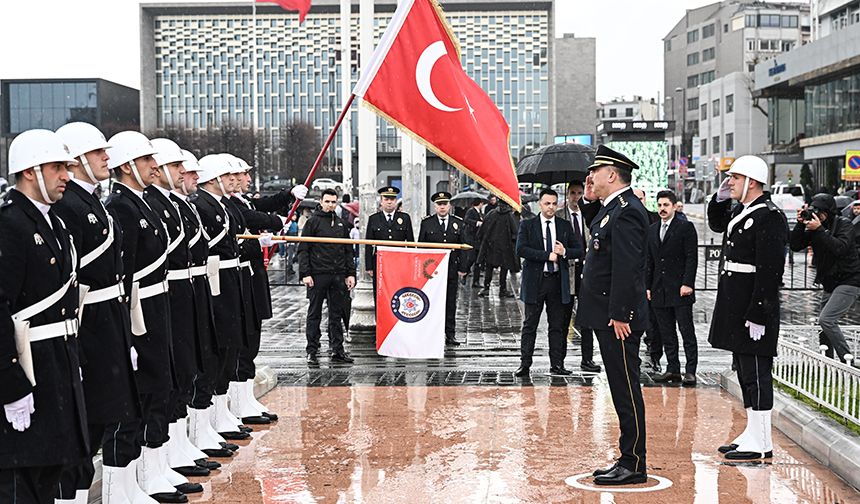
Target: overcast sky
{"points": [[99, 38]]}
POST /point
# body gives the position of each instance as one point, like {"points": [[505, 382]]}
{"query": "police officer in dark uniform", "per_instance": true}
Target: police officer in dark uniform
{"points": [[747, 309], [388, 224], [104, 337], [144, 253], [44, 426], [445, 227], [613, 304]]}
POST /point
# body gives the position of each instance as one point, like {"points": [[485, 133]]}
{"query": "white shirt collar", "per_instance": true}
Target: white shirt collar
{"points": [[137, 193], [544, 220], [43, 208], [217, 197], [164, 192], [90, 188], [668, 222], [181, 196], [613, 195]]}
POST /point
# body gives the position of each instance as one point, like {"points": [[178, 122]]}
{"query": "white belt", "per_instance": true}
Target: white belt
{"points": [[198, 270], [738, 267], [64, 329], [153, 290], [245, 264], [229, 263], [102, 295], [180, 274]]}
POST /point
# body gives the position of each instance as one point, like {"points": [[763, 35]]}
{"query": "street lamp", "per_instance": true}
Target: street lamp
{"points": [[683, 91]]}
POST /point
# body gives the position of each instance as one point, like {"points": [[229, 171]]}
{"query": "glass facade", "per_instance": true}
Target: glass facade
{"points": [[206, 73], [50, 105], [833, 106]]}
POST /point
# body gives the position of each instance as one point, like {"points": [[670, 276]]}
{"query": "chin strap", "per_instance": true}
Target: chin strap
{"points": [[746, 189], [221, 186], [89, 171], [136, 174], [169, 177], [42, 188]]}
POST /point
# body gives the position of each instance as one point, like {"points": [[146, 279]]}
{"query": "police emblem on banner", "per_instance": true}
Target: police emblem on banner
{"points": [[410, 304]]}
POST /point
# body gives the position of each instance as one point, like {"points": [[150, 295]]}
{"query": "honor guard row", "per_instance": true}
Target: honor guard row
{"points": [[129, 326]]}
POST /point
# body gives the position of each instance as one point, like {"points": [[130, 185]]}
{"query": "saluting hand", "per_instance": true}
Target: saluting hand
{"points": [[622, 329]]}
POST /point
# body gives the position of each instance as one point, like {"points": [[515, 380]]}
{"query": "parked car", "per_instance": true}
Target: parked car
{"points": [[270, 187], [322, 184], [795, 190]]}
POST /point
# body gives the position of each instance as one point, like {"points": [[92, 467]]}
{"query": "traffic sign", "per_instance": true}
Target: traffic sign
{"points": [[852, 166]]}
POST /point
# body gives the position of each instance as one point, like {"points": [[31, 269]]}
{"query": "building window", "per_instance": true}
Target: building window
{"points": [[667, 45], [692, 81], [613, 113], [787, 45], [726, 28], [751, 44], [769, 45], [693, 127], [730, 142], [628, 112], [730, 104], [769, 20], [751, 21], [707, 76], [716, 143], [692, 103], [715, 108], [708, 31], [709, 54], [692, 59], [692, 36], [704, 147], [703, 112], [789, 22]]}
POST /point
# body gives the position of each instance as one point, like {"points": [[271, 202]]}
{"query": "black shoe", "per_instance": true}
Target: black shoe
{"points": [[209, 464], [189, 488], [229, 446], [256, 420], [235, 435], [484, 292], [601, 472], [313, 360], [689, 380], [522, 371], [271, 416], [176, 496], [559, 371], [245, 428], [621, 476], [218, 452], [342, 358], [746, 455], [452, 341], [589, 366], [506, 294], [668, 377], [194, 470], [727, 448]]}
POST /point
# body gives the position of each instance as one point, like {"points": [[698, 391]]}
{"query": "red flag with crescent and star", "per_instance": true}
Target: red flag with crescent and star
{"points": [[303, 6], [415, 80]]}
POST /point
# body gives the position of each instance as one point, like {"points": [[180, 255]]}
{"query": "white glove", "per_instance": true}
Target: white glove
{"points": [[18, 412], [299, 191], [724, 192], [133, 354], [266, 240], [756, 330]]}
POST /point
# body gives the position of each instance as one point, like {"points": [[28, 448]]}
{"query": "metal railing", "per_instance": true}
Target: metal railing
{"points": [[798, 275], [823, 380]]}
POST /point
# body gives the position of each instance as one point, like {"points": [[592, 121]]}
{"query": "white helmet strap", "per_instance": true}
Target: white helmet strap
{"points": [[169, 176], [136, 174], [746, 189], [221, 186], [42, 188], [89, 171]]}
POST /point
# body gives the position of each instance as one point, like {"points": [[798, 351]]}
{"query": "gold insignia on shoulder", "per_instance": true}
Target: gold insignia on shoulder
{"points": [[38, 239], [92, 218], [604, 221], [622, 200]]}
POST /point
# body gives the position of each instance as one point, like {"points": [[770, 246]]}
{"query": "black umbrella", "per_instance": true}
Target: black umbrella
{"points": [[466, 198], [554, 164]]}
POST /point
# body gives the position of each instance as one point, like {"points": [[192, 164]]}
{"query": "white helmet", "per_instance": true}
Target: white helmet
{"points": [[213, 166], [233, 162], [81, 138], [168, 151], [753, 167], [243, 164], [128, 146], [35, 147], [190, 162]]}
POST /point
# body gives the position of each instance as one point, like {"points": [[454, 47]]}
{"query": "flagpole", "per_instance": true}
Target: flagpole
{"points": [[254, 109], [350, 241], [325, 147]]}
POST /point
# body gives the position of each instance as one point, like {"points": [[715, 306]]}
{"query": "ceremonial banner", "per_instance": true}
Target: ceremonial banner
{"points": [[411, 286], [415, 80], [303, 6]]}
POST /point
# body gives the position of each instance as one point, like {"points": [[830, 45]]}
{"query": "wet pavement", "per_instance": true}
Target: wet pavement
{"points": [[502, 445]]}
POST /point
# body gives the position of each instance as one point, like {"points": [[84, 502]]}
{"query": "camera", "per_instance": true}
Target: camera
{"points": [[806, 214]]}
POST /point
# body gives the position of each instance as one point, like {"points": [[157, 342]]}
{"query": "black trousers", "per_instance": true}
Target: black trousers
{"points": [[503, 278], [682, 317], [549, 295], [326, 287], [587, 343], [153, 429], [227, 363], [29, 485], [755, 374], [621, 361], [477, 268], [451, 305], [653, 343], [119, 444], [245, 367]]}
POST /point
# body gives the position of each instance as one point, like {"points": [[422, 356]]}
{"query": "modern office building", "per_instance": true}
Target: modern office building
{"points": [[50, 103], [635, 109], [814, 98], [713, 42], [206, 65]]}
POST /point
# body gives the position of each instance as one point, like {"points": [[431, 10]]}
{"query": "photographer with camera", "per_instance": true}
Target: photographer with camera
{"points": [[837, 265]]}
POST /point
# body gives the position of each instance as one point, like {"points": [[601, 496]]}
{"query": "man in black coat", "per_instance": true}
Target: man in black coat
{"points": [[445, 227], [613, 304], [672, 262], [747, 309], [327, 270], [44, 427], [546, 244], [497, 248], [387, 224], [104, 337], [653, 343], [473, 220]]}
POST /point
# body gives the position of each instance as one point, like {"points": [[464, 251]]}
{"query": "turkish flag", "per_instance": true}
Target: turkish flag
{"points": [[303, 6], [415, 80]]}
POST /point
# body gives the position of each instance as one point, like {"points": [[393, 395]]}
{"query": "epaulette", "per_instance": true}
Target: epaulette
{"points": [[772, 206], [7, 203], [428, 217]]}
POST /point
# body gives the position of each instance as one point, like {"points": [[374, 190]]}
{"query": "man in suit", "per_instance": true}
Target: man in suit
{"points": [[672, 261], [474, 219], [653, 343], [388, 224], [573, 214], [613, 304], [445, 227], [546, 244]]}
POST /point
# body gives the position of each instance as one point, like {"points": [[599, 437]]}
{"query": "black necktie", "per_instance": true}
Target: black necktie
{"points": [[443, 224], [389, 219], [550, 266], [576, 232]]}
